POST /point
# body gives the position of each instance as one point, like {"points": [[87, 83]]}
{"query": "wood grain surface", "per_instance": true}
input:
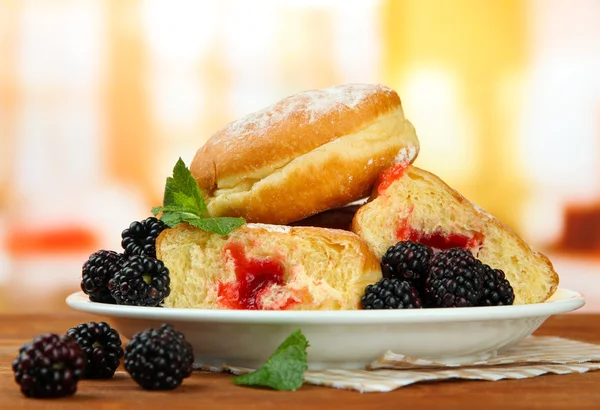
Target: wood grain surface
{"points": [[215, 391]]}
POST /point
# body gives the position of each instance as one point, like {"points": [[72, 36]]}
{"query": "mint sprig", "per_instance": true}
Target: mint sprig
{"points": [[183, 202], [284, 370]]}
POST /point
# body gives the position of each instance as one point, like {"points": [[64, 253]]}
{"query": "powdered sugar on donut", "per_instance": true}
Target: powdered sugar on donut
{"points": [[308, 105], [406, 155]]}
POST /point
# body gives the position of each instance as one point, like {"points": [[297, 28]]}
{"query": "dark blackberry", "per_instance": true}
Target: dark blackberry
{"points": [[49, 366], [100, 267], [159, 359], [391, 294], [142, 281], [140, 237], [102, 347], [455, 279], [407, 261], [497, 290]]}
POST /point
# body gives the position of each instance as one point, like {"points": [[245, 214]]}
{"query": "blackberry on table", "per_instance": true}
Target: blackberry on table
{"points": [[142, 281], [391, 294], [455, 279], [97, 271], [159, 359], [140, 237], [497, 290], [49, 366], [407, 260], [102, 347]]}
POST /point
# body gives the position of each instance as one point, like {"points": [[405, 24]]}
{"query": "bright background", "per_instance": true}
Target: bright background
{"points": [[98, 99]]}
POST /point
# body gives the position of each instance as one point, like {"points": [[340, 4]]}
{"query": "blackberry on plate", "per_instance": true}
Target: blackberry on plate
{"points": [[102, 347], [391, 294], [49, 366], [140, 237], [159, 359], [455, 279], [497, 290], [407, 260], [100, 267], [142, 281]]}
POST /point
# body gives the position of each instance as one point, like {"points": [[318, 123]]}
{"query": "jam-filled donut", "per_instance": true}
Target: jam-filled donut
{"points": [[307, 153], [266, 267], [412, 204]]}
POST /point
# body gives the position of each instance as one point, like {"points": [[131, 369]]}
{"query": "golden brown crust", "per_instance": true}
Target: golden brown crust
{"points": [[289, 128], [554, 279], [303, 192], [326, 150]]}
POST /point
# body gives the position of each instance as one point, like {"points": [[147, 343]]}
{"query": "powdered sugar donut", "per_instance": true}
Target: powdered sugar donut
{"points": [[308, 153]]}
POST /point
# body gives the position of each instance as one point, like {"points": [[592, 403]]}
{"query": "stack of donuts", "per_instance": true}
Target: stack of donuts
{"points": [[326, 183]]}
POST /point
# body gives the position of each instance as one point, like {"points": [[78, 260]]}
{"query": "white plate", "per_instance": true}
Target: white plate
{"points": [[341, 339]]}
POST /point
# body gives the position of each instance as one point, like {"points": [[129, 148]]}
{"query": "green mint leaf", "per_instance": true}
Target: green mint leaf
{"points": [[183, 202], [188, 202], [222, 225], [174, 218], [182, 190], [284, 370], [172, 208]]}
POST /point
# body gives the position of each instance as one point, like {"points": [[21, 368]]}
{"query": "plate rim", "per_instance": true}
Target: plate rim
{"points": [[567, 300]]}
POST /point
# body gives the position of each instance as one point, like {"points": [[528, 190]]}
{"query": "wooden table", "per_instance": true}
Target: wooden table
{"points": [[212, 391]]}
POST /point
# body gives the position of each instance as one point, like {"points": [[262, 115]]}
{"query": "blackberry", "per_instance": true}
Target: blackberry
{"points": [[100, 267], [140, 237], [142, 281], [497, 290], [102, 347], [49, 366], [391, 294], [159, 359], [407, 261], [455, 279]]}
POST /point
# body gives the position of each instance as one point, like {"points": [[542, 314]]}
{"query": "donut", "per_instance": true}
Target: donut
{"points": [[410, 203], [266, 267], [305, 154]]}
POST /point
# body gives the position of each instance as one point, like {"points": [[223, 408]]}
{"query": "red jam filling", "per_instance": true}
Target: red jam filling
{"points": [[253, 278], [390, 175], [440, 241]]}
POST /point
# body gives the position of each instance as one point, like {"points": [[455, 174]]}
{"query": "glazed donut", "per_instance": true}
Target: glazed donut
{"points": [[307, 153], [412, 204], [266, 267]]}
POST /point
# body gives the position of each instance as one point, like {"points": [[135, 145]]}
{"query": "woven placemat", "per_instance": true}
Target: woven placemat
{"points": [[531, 357]]}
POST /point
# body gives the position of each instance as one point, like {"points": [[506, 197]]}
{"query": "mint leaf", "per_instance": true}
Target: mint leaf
{"points": [[156, 210], [189, 202], [182, 189], [172, 219], [175, 215], [222, 226], [183, 202], [171, 208], [284, 370]]}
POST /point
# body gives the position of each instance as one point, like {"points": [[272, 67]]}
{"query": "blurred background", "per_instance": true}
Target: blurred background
{"points": [[98, 99]]}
